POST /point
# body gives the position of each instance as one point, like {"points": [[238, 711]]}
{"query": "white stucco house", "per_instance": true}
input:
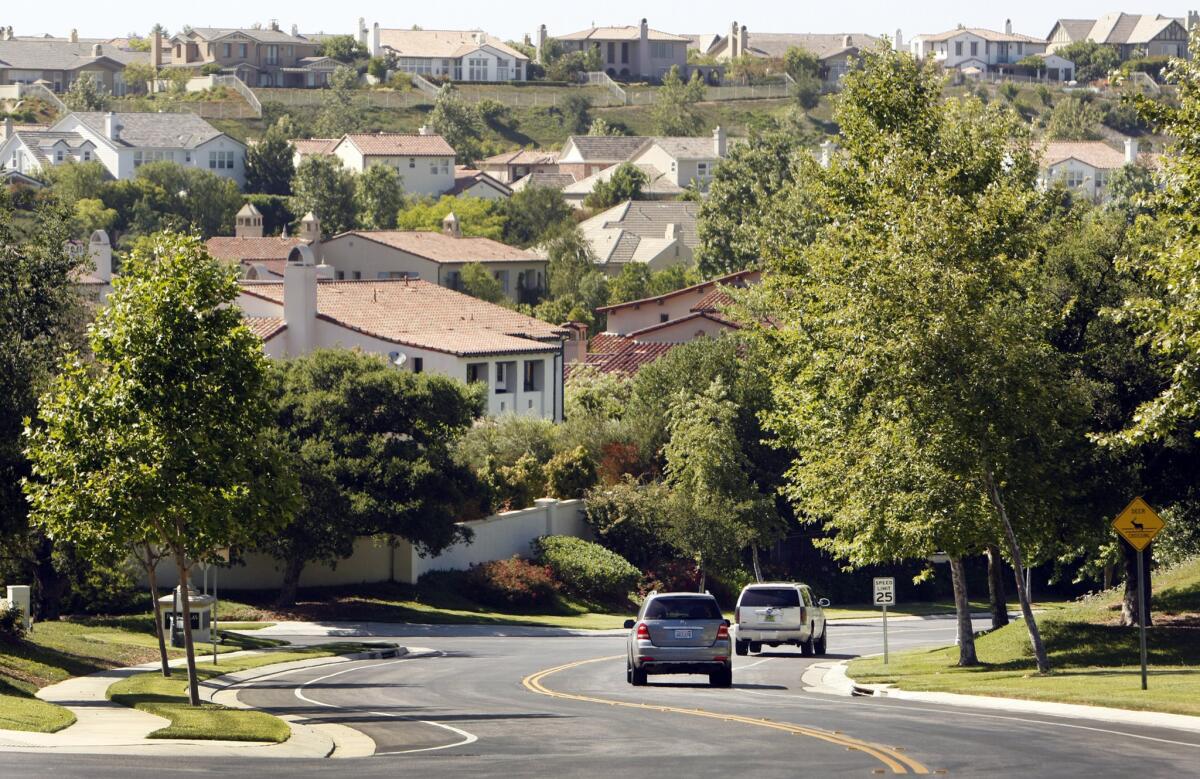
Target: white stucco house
{"points": [[983, 50], [425, 161], [627, 51], [124, 142], [1085, 167], [456, 55], [418, 325]]}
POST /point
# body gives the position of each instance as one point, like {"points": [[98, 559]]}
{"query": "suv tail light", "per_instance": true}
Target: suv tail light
{"points": [[722, 632], [643, 632], [737, 615], [803, 615]]}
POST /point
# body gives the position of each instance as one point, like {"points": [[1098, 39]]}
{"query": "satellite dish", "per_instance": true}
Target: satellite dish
{"points": [[398, 358]]}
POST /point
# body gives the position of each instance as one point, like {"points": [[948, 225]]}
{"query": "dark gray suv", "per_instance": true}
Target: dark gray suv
{"points": [[679, 633]]}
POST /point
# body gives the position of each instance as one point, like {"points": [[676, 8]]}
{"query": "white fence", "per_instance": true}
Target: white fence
{"points": [[21, 91], [374, 560]]}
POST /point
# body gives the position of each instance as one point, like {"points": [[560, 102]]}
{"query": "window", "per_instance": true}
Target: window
{"points": [[142, 157], [340, 275], [58, 155], [505, 377], [477, 69], [418, 364], [533, 375], [477, 371], [272, 55], [1101, 178], [974, 48], [242, 50], [625, 52], [612, 52], [357, 275], [781, 598], [1073, 179], [702, 169], [454, 280], [1020, 48], [87, 155], [227, 51], [439, 166], [662, 50], [664, 318], [220, 160], [502, 277], [958, 48], [689, 608]]}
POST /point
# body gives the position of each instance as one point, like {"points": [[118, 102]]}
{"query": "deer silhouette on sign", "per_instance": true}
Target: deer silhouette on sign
{"points": [[1137, 525]]}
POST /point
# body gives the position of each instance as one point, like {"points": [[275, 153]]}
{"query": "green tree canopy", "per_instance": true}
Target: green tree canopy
{"points": [[269, 163], [325, 188], [341, 111], [86, 93], [625, 183], [675, 105], [532, 214], [477, 216], [202, 200], [378, 196], [343, 48], [1074, 119], [478, 281], [1093, 61], [458, 123]]}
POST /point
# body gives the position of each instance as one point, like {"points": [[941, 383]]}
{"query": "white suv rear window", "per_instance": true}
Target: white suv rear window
{"points": [[780, 598]]}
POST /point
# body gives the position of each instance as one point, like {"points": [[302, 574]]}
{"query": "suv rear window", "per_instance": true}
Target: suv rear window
{"points": [[683, 608], [781, 598]]}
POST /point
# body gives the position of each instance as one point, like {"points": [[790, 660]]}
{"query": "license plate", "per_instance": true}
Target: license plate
{"points": [[770, 634], [683, 634], [769, 618]]}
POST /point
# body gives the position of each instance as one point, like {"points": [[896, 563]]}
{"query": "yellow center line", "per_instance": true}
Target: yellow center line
{"points": [[893, 759]]}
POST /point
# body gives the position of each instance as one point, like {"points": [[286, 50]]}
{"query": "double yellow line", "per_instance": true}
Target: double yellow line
{"points": [[898, 762]]}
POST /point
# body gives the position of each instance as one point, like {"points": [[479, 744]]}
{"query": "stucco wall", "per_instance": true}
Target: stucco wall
{"points": [[626, 320]]}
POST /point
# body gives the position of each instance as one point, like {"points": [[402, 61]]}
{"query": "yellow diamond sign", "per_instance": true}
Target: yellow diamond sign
{"points": [[1138, 524]]}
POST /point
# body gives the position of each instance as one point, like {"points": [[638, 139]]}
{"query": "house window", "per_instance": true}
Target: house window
{"points": [[454, 280], [625, 52], [340, 275], [612, 52], [220, 160], [87, 155], [477, 371], [664, 318], [1101, 179], [502, 277], [506, 377], [1020, 48], [958, 48], [477, 69], [974, 48], [533, 375], [227, 51], [242, 50], [272, 55], [356, 275], [142, 157], [702, 169], [1073, 179], [662, 50], [418, 364], [58, 155]]}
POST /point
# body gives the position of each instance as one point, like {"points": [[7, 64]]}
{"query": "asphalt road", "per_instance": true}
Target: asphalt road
{"points": [[493, 706]]}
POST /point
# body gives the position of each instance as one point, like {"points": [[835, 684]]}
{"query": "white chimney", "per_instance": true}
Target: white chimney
{"points": [[1131, 151], [719, 143], [74, 35], [847, 41], [100, 251], [112, 127], [827, 153], [8, 129], [424, 130], [295, 31], [362, 31], [1008, 26], [899, 40], [376, 49], [97, 50], [300, 300], [541, 42], [451, 227], [310, 229], [735, 41]]}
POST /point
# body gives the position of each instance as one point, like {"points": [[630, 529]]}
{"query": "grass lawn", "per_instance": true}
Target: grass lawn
{"points": [[167, 697], [1093, 659]]}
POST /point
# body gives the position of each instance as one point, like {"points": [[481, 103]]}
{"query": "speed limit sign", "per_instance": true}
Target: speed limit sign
{"points": [[885, 591]]}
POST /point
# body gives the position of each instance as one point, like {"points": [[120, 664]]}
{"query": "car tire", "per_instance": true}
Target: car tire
{"points": [[628, 673], [809, 648], [741, 647], [637, 677], [820, 647], [722, 678], [755, 647]]}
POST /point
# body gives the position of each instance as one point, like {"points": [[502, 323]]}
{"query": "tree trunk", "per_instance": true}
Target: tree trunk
{"points": [[1109, 572], [962, 608], [996, 594], [49, 584], [754, 558], [188, 649], [150, 563], [1014, 552], [1129, 603], [291, 582]]}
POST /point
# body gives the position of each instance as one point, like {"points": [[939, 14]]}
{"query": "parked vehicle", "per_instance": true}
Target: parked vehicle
{"points": [[679, 633], [779, 613]]}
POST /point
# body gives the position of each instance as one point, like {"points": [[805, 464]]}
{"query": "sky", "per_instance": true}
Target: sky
{"points": [[511, 20]]}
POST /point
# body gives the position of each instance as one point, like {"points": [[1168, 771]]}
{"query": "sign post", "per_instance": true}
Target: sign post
{"points": [[885, 595], [1138, 524]]}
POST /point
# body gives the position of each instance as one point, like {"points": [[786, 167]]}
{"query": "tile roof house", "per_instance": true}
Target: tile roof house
{"points": [[469, 182], [1085, 167], [418, 326], [266, 57], [655, 234], [834, 50], [457, 55], [583, 155], [559, 181], [1130, 35], [641, 331], [438, 258], [123, 142], [513, 165], [630, 51], [56, 63], [983, 50], [261, 256], [424, 161]]}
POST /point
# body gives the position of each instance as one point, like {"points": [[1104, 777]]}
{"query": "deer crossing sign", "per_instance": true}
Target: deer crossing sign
{"points": [[1138, 524]]}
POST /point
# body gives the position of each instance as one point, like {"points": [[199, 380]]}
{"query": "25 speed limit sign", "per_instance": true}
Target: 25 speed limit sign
{"points": [[885, 591]]}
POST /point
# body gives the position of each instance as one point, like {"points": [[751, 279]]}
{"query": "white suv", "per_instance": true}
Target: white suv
{"points": [[779, 613]]}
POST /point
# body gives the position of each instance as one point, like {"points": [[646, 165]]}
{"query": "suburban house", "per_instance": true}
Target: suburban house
{"points": [[437, 258], [123, 142], [514, 165], [455, 55], [977, 50], [265, 57], [261, 256], [559, 181], [424, 161], [1085, 167], [1131, 35], [418, 325], [835, 51], [655, 234], [671, 165], [469, 182], [56, 63], [307, 147], [583, 155], [641, 331], [631, 51]]}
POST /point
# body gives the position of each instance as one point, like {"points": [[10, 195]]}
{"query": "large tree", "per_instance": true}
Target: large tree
{"points": [[458, 123], [202, 200], [913, 371], [378, 195], [269, 162], [533, 213], [160, 438], [675, 105], [326, 189], [372, 448]]}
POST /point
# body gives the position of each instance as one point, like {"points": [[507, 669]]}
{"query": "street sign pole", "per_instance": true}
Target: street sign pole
{"points": [[1141, 591], [885, 646], [885, 595]]}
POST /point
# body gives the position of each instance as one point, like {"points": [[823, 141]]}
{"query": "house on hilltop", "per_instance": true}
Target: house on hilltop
{"points": [[456, 55], [979, 50], [1130, 35], [629, 51], [266, 57]]}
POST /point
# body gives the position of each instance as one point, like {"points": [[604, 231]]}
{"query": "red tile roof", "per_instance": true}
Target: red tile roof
{"points": [[442, 248], [233, 249], [673, 322], [265, 327], [714, 301], [305, 146], [400, 144], [624, 358], [424, 315], [607, 342], [738, 279]]}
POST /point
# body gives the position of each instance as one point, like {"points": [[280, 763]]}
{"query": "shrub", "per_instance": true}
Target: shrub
{"points": [[1043, 93], [586, 569], [513, 582], [670, 576], [12, 624], [210, 69], [569, 474], [1009, 91], [631, 519], [514, 486], [401, 82], [377, 67]]}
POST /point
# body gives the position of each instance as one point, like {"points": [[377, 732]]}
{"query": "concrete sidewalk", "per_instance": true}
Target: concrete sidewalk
{"points": [[104, 727], [831, 678], [419, 630]]}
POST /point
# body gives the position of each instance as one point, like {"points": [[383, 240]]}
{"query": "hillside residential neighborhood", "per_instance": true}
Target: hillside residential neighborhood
{"points": [[767, 391]]}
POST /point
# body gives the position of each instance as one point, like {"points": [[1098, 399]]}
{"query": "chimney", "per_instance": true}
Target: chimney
{"points": [[541, 42], [719, 143], [847, 41], [74, 35], [451, 227], [1193, 19], [100, 251], [112, 127], [362, 31], [300, 300], [424, 130], [295, 31], [735, 40], [8, 129], [743, 40], [643, 52], [673, 232], [97, 50], [899, 40], [310, 229], [1008, 26], [827, 153], [575, 347], [248, 222], [376, 49], [1131, 151], [156, 50]]}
